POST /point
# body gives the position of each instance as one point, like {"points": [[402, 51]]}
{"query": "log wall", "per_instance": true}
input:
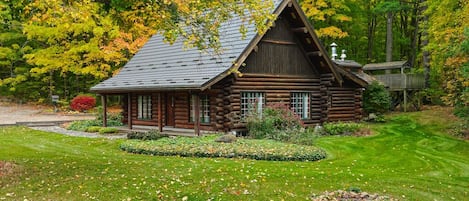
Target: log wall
{"points": [[346, 104], [277, 89]]}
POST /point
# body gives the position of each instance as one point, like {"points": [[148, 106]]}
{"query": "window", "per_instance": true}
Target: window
{"points": [[144, 107], [299, 103], [252, 101], [204, 108]]}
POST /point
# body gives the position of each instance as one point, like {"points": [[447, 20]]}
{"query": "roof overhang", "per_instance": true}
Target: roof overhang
{"points": [[386, 65]]}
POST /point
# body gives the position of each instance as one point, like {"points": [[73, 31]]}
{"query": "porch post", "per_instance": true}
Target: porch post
{"points": [[104, 104], [129, 110], [197, 115], [160, 115]]}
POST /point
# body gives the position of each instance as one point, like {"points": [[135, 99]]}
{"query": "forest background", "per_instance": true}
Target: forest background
{"points": [[64, 47]]}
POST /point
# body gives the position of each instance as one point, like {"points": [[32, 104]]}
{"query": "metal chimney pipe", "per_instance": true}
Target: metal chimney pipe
{"points": [[334, 51]]}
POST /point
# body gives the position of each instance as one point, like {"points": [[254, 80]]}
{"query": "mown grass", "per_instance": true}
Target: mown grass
{"points": [[406, 160]]}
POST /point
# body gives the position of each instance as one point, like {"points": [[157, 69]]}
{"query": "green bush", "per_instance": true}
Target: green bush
{"points": [[105, 130], [207, 147], [83, 125], [341, 128], [278, 122], [462, 112], [93, 129], [376, 98], [148, 135], [113, 119]]}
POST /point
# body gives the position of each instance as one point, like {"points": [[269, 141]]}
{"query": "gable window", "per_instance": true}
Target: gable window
{"points": [[251, 102], [144, 107], [299, 103], [204, 113]]}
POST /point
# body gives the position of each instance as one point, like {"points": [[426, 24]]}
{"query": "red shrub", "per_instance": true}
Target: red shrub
{"points": [[82, 103]]}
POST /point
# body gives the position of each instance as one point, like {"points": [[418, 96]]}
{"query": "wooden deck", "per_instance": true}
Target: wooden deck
{"points": [[400, 82]]}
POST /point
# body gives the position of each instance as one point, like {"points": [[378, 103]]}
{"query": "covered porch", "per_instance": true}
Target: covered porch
{"points": [[169, 112]]}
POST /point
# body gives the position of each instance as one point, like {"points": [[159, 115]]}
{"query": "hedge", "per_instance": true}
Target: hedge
{"points": [[207, 147]]}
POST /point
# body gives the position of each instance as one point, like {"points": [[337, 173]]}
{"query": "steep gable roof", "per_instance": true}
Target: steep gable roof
{"points": [[160, 66]]}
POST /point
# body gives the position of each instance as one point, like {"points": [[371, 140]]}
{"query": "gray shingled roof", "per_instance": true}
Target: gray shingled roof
{"points": [[386, 65], [159, 65], [348, 63]]}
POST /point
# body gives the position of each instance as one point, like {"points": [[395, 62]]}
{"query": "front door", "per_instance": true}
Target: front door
{"points": [[170, 103]]}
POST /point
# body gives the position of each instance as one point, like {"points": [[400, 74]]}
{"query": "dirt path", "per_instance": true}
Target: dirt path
{"points": [[12, 113]]}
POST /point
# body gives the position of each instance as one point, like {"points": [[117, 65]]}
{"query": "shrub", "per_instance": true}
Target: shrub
{"points": [[83, 125], [228, 138], [341, 128], [113, 119], [148, 135], [105, 130], [376, 98], [83, 102], [93, 129], [277, 122], [207, 147]]}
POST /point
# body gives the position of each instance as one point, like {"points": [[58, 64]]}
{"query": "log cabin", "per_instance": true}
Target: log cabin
{"points": [[169, 86]]}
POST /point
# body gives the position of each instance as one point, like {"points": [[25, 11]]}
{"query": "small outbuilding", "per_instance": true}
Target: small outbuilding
{"points": [[167, 87]]}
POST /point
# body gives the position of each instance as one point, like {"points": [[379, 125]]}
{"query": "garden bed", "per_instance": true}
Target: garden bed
{"points": [[242, 148]]}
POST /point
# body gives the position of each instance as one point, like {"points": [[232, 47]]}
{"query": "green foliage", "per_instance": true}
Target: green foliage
{"points": [[278, 122], [341, 128], [83, 125], [448, 37], [145, 135], [113, 119], [207, 147], [106, 130], [275, 122], [376, 98], [93, 129]]}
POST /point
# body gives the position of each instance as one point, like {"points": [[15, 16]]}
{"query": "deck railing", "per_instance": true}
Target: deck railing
{"points": [[402, 81]]}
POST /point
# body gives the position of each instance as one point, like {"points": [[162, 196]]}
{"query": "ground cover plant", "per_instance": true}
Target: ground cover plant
{"points": [[278, 122], [405, 159], [207, 147]]}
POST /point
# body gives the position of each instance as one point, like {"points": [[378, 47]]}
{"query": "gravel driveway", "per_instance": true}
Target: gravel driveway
{"points": [[12, 113]]}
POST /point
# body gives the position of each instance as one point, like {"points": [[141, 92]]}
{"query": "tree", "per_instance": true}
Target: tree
{"points": [[448, 41], [327, 14], [66, 46]]}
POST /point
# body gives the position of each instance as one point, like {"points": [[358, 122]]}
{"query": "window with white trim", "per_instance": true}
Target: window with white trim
{"points": [[144, 107], [204, 108], [299, 104], [252, 102]]}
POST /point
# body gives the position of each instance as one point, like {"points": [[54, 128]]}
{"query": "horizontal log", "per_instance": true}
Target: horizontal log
{"points": [[341, 115], [219, 126], [269, 84], [256, 75], [275, 88], [145, 123], [279, 42]]}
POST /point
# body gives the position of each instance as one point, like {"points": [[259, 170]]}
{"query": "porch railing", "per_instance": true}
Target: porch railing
{"points": [[402, 81]]}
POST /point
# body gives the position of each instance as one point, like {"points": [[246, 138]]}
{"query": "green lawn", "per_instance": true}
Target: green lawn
{"points": [[404, 159]]}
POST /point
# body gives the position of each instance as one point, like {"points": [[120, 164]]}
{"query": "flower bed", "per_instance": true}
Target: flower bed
{"points": [[242, 148]]}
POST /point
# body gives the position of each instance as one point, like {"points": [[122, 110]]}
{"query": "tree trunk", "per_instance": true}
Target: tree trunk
{"points": [[389, 40], [371, 34], [415, 34], [425, 53]]}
